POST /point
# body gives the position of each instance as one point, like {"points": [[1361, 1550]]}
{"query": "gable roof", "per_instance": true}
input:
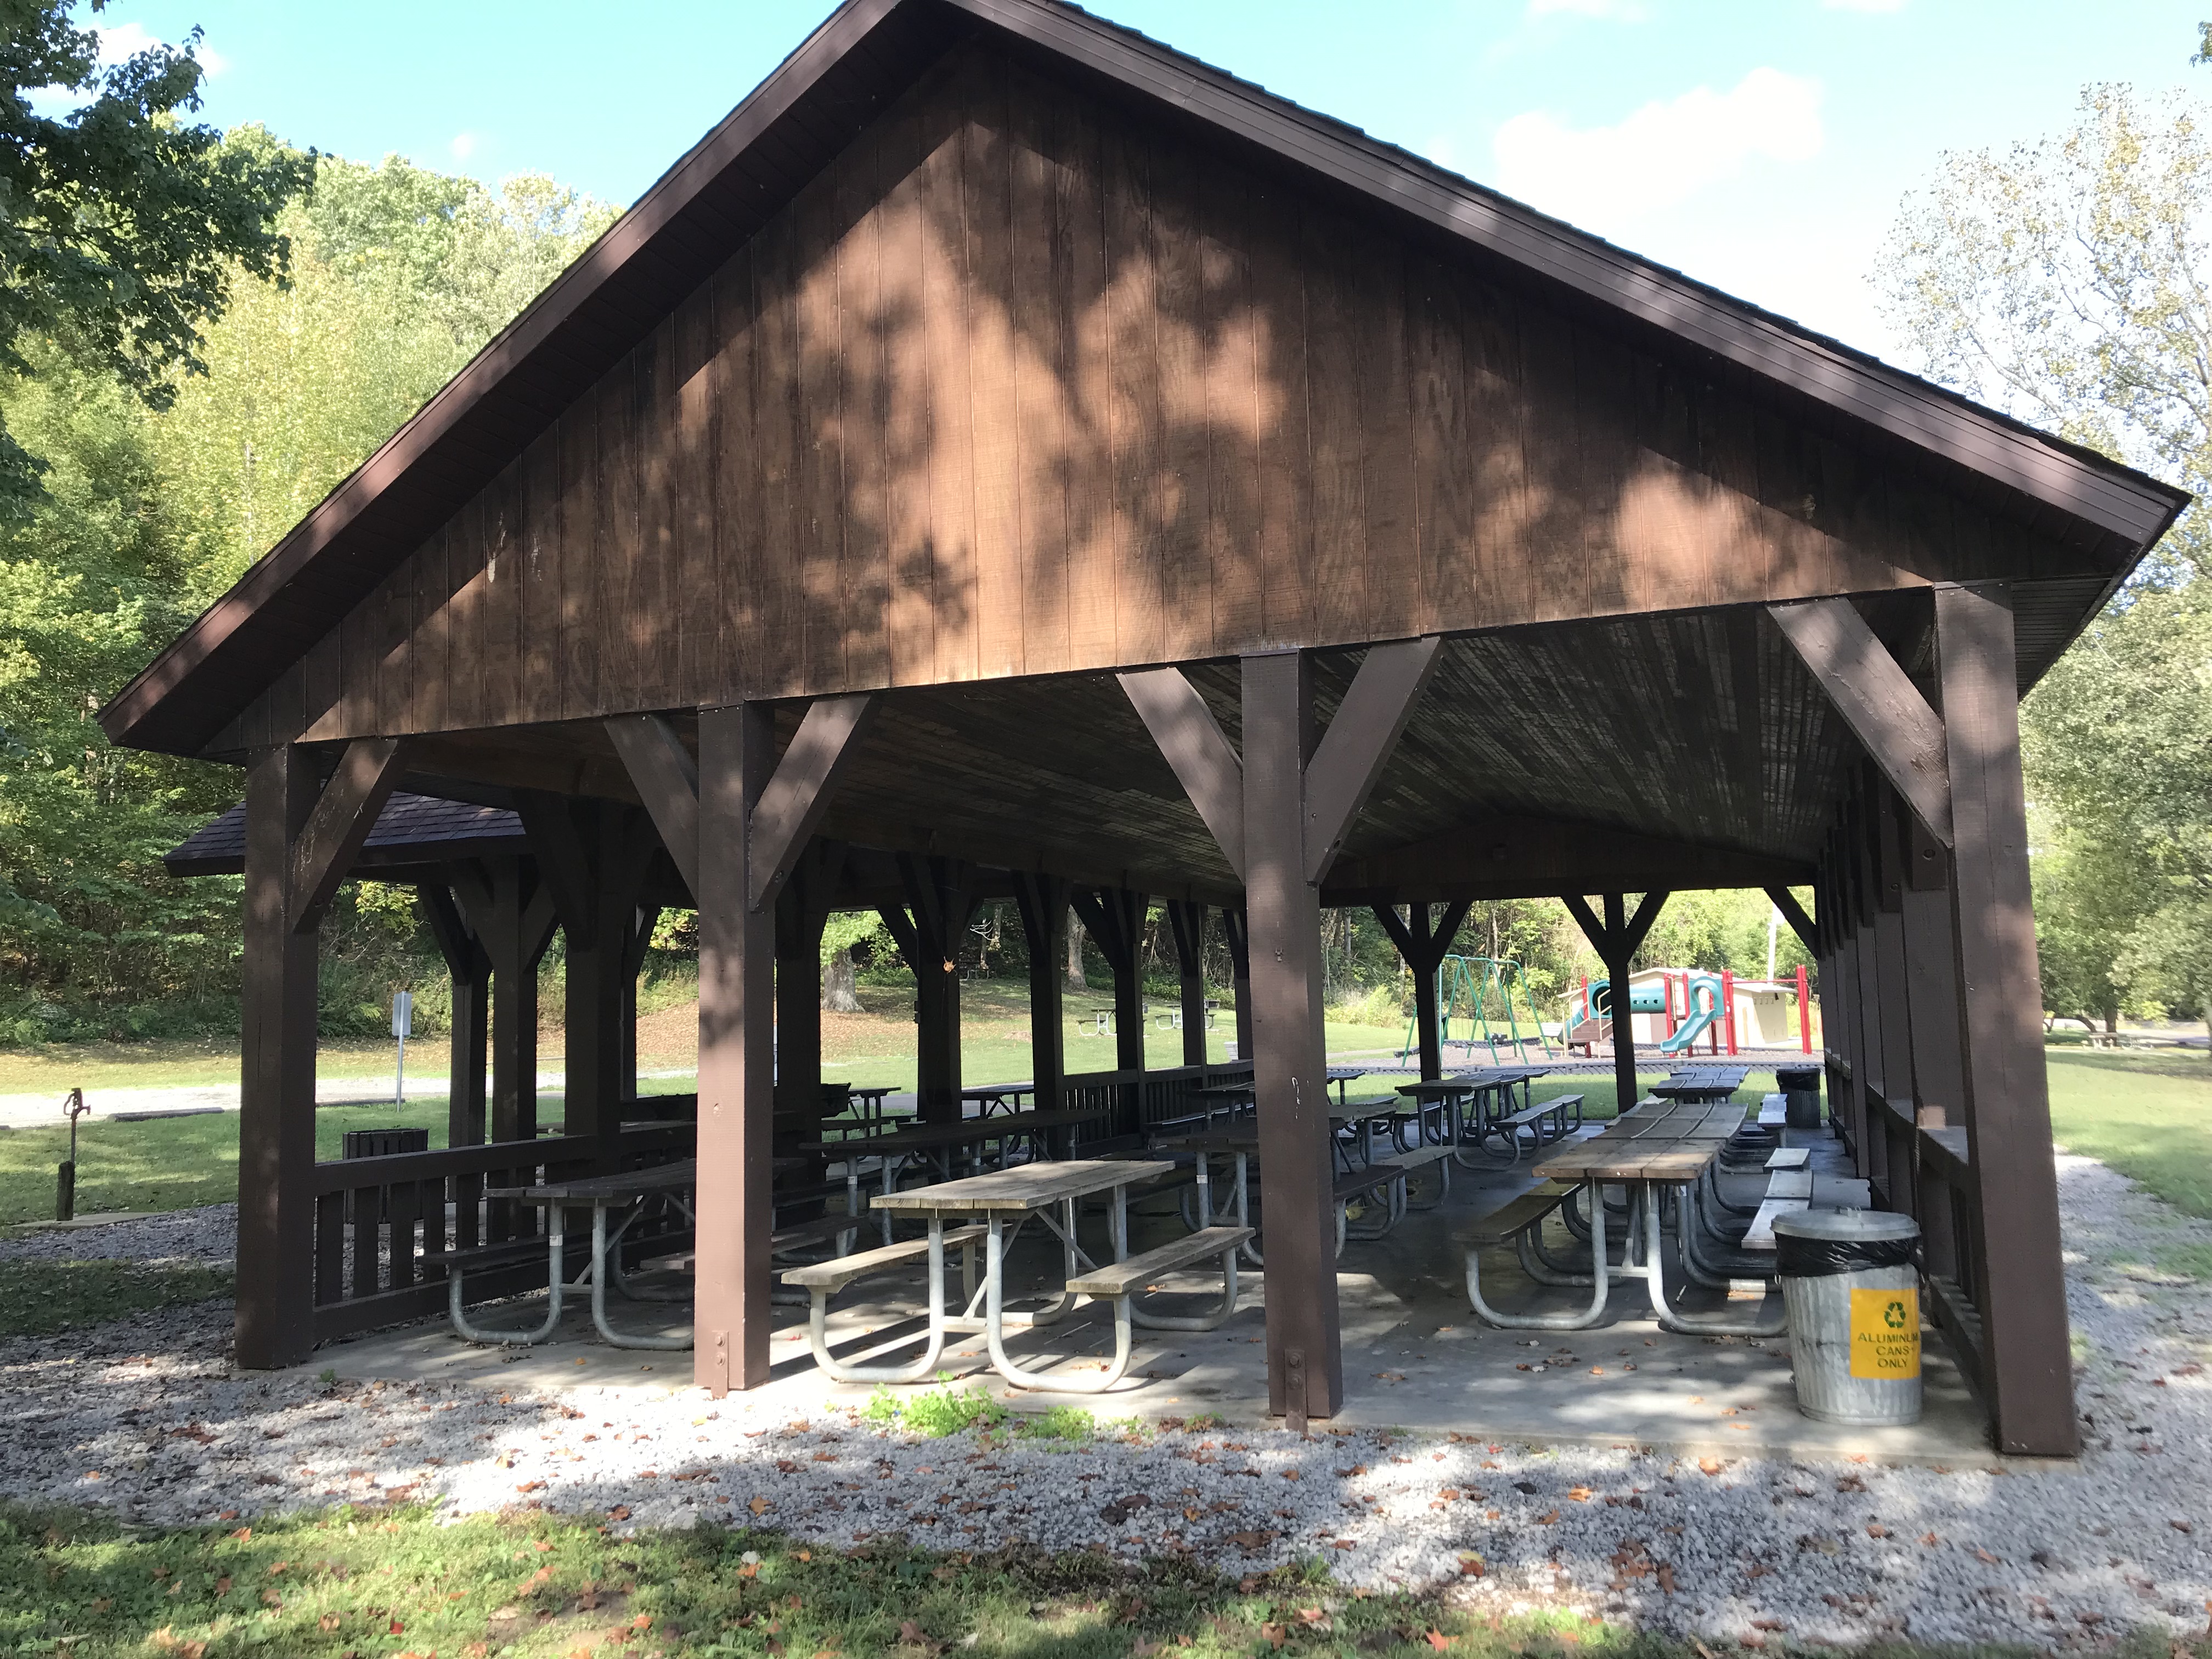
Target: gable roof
{"points": [[411, 829], [812, 106]]}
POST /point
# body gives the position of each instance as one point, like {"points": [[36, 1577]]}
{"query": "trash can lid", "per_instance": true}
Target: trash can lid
{"points": [[1847, 1226]]}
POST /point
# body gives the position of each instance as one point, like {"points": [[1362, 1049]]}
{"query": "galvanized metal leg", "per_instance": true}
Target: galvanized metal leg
{"points": [[614, 1338], [994, 1329], [817, 1328], [514, 1338], [1654, 1280], [1600, 1291]]}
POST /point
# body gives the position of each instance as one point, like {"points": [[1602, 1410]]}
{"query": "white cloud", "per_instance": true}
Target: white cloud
{"points": [[464, 145], [1623, 11], [1664, 153], [1861, 5], [129, 40]]}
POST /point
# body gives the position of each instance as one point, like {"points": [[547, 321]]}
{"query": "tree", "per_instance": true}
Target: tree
{"points": [[2069, 282], [121, 226]]}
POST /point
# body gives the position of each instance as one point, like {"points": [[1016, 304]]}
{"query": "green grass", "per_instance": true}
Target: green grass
{"points": [[37, 1298], [2148, 1115], [534, 1586]]}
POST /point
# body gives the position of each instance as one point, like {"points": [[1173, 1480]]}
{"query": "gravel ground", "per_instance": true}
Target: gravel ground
{"points": [[208, 1235], [144, 1417]]}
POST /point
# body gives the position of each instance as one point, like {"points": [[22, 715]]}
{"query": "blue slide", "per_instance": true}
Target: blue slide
{"points": [[1704, 1010]]}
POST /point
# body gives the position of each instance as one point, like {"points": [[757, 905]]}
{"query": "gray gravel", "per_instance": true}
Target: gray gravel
{"points": [[208, 1235], [143, 1416]]}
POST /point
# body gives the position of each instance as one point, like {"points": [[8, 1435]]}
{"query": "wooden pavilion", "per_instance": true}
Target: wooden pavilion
{"points": [[1008, 457]]}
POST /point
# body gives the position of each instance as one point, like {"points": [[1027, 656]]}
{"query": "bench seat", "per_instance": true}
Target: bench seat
{"points": [[1513, 1218], [1789, 1157], [1124, 1278], [1366, 1179], [836, 1273], [1759, 1236], [488, 1256]]}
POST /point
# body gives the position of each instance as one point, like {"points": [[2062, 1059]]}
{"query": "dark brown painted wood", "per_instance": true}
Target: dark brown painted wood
{"points": [[1423, 940], [1190, 740], [805, 777], [1883, 707], [737, 1060], [277, 1095], [1114, 918], [468, 970], [2008, 1105], [345, 813], [1187, 921], [1358, 742], [1291, 1074], [1042, 902], [938, 899]]}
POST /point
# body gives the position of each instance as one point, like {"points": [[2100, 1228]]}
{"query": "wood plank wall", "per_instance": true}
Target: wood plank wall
{"points": [[1021, 386]]}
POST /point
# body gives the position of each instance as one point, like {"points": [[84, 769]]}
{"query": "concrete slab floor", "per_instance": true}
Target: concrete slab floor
{"points": [[1414, 1358]]}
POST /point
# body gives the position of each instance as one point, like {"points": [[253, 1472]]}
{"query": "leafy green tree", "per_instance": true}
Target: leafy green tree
{"points": [[121, 225], [2070, 281]]}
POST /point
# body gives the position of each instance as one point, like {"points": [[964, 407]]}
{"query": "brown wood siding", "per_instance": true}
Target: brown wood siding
{"points": [[1020, 386]]}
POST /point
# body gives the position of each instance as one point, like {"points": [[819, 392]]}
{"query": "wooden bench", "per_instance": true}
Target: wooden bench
{"points": [[1519, 1222], [830, 1277], [1422, 1158], [1759, 1236], [1388, 1176], [512, 1252], [1773, 1111], [1789, 1157], [1120, 1282], [1531, 1118]]}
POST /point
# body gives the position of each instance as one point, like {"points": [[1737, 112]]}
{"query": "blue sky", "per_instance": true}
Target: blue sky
{"points": [[1761, 145]]}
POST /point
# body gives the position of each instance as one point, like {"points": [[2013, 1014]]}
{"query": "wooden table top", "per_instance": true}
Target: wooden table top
{"points": [[1225, 1090], [1489, 1077], [1669, 1143], [1020, 1190], [997, 1091], [936, 1137], [631, 1184], [1245, 1139], [1438, 1088]]}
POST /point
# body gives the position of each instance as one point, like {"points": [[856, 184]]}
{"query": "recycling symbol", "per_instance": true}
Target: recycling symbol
{"points": [[1893, 1315]]}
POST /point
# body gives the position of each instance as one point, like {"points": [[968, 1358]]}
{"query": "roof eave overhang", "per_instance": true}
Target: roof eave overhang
{"points": [[2110, 501]]}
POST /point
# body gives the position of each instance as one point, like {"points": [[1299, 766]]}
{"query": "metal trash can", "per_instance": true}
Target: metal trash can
{"points": [[1801, 1095], [1853, 1295]]}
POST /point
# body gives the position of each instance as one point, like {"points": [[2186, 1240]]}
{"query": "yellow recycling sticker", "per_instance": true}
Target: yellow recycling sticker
{"points": [[1886, 1333]]}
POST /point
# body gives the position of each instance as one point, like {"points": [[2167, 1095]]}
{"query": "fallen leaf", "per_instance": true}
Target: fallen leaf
{"points": [[1292, 1474], [1709, 1465], [1769, 1623], [1877, 1530], [1666, 1576], [1580, 1494], [1994, 1560], [1929, 1539], [396, 1626], [1437, 1638], [327, 1623], [620, 1512], [2179, 1526], [1549, 1516], [759, 1505], [1471, 1566]]}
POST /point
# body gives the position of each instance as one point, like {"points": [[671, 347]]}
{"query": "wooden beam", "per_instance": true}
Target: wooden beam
{"points": [[1359, 743], [1794, 913], [343, 817], [1496, 856], [1886, 711], [1593, 930], [274, 1320], [667, 781], [792, 806], [564, 863], [732, 1317], [1191, 741], [2008, 1091], [1639, 924], [1305, 1360]]}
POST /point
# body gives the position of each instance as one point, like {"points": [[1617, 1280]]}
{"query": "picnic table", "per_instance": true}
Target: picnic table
{"points": [[1647, 1150], [1006, 1200], [1709, 1084], [635, 1192], [997, 1097], [936, 1143]]}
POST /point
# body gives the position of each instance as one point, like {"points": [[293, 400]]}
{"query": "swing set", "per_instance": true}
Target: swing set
{"points": [[1468, 989]]}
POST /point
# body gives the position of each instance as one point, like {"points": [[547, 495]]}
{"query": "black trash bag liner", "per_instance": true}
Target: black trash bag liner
{"points": [[1825, 1258]]}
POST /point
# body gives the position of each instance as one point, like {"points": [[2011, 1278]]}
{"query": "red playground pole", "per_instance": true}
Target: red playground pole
{"points": [[1727, 1003], [1667, 990], [1804, 1013]]}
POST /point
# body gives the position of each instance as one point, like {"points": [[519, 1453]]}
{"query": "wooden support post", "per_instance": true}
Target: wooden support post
{"points": [[1424, 941], [1895, 1014], [1042, 901], [1114, 918], [1616, 939], [275, 1321], [802, 911], [511, 912], [940, 899], [1186, 917], [468, 969], [1290, 1059], [2008, 1099], [737, 1058], [1234, 924], [640, 942]]}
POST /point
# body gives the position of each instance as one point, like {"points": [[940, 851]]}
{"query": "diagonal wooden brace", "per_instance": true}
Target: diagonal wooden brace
{"points": [[1884, 709], [343, 817]]}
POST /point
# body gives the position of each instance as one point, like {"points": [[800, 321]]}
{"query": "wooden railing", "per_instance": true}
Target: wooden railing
{"points": [[376, 1219], [1139, 1099], [1949, 1229]]}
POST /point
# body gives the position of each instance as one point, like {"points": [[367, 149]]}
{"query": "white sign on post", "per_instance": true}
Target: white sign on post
{"points": [[403, 1026]]}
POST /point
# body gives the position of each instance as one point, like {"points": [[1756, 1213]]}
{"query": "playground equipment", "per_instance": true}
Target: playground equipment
{"points": [[1465, 988], [1676, 1009]]}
